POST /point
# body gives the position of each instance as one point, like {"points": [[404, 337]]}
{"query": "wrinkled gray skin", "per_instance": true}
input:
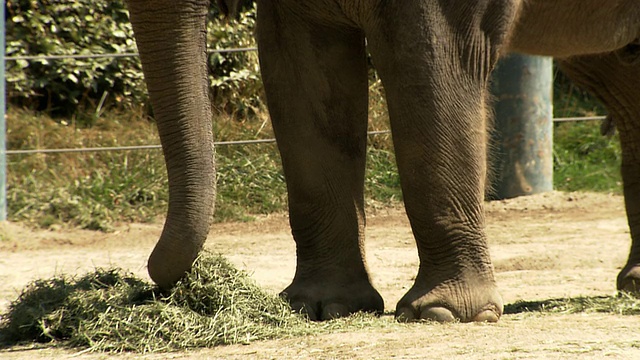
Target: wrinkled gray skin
{"points": [[434, 58]]}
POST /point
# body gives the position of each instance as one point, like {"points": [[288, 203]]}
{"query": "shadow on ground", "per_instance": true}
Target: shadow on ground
{"points": [[620, 304]]}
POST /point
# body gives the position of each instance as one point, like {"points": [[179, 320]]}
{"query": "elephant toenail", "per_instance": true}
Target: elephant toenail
{"points": [[487, 316], [437, 313], [631, 286], [334, 311], [405, 315], [304, 309]]}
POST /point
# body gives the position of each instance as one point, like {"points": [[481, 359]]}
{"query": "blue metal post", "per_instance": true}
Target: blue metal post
{"points": [[3, 125], [521, 160]]}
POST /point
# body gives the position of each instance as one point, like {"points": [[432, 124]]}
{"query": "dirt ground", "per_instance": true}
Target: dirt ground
{"points": [[548, 246]]}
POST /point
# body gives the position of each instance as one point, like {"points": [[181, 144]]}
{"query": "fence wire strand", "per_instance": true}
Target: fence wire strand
{"points": [[220, 143], [155, 147], [579, 118], [127, 148], [112, 55]]}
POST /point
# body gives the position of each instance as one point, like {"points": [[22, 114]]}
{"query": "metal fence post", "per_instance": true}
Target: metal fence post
{"points": [[3, 125], [521, 157]]}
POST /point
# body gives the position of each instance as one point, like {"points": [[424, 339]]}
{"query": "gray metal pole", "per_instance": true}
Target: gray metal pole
{"points": [[3, 125], [521, 159]]}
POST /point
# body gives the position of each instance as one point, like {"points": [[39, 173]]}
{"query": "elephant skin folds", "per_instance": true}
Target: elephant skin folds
{"points": [[434, 58]]}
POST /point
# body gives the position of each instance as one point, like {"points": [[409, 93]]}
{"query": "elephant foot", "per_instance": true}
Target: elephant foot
{"points": [[326, 301], [452, 300], [629, 279]]}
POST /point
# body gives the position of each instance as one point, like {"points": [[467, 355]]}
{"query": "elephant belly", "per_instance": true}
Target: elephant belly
{"points": [[563, 28]]}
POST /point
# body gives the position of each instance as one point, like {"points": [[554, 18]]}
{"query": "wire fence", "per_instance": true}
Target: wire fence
{"points": [[216, 143], [111, 55], [579, 118], [155, 147]]}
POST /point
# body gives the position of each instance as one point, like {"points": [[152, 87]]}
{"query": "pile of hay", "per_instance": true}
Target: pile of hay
{"points": [[111, 310]]}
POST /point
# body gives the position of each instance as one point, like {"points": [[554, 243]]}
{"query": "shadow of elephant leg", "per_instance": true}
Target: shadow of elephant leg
{"points": [[615, 82], [315, 76]]}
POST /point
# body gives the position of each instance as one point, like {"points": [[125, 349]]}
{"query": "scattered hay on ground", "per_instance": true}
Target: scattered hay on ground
{"points": [[621, 303], [111, 310], [215, 304]]}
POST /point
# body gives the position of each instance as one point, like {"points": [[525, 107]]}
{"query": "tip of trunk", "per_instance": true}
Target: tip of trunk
{"points": [[167, 273], [171, 259]]}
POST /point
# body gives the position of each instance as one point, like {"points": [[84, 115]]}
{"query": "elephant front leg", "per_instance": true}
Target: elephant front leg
{"points": [[614, 80], [629, 277], [435, 76], [315, 78]]}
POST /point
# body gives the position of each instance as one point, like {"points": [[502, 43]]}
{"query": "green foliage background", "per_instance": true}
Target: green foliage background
{"points": [[64, 87], [94, 190]]}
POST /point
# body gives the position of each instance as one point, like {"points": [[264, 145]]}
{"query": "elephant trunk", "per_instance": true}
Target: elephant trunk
{"points": [[171, 39]]}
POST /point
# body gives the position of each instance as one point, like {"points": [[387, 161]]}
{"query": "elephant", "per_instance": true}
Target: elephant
{"points": [[435, 58]]}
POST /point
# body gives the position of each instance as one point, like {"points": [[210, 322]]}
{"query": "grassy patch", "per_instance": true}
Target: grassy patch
{"points": [[89, 190], [586, 160], [94, 190], [250, 182], [620, 304]]}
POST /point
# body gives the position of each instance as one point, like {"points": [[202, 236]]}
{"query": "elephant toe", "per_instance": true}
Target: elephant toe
{"points": [[444, 315], [334, 311], [304, 308], [629, 279], [469, 302], [432, 313], [489, 315], [437, 313], [326, 302]]}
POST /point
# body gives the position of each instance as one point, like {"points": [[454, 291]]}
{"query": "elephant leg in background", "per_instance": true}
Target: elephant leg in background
{"points": [[171, 39], [615, 82], [315, 77], [436, 85]]}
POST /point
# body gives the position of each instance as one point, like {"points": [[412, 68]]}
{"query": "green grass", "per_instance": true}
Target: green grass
{"points": [[96, 190], [584, 160], [89, 190]]}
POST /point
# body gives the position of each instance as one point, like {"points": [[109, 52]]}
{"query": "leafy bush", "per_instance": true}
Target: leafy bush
{"points": [[61, 87], [70, 27], [235, 77]]}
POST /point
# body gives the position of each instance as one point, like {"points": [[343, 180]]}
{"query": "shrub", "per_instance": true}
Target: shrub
{"points": [[235, 77], [65, 27], [62, 87]]}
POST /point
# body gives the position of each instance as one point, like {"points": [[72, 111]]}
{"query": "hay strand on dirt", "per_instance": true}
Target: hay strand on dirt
{"points": [[110, 310], [621, 303]]}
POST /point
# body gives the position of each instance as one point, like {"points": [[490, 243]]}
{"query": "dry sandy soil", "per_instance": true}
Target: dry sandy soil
{"points": [[555, 245]]}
